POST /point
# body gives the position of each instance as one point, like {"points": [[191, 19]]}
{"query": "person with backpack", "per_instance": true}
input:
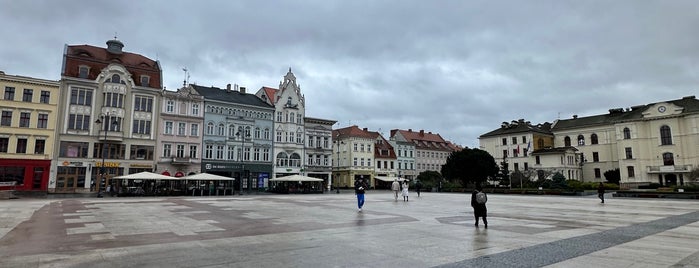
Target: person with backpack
{"points": [[360, 188], [478, 200]]}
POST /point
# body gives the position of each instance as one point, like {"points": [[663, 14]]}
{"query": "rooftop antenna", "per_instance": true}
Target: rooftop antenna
{"points": [[186, 76]]}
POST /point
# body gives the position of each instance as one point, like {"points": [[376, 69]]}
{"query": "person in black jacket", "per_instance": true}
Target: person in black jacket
{"points": [[600, 191], [359, 188], [479, 209]]}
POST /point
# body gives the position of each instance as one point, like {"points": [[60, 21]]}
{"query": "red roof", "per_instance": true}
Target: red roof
{"points": [[354, 131], [428, 140], [270, 94]]}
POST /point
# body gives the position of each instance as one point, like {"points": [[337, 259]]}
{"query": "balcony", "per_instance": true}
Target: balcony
{"points": [[181, 160], [117, 136], [668, 169]]}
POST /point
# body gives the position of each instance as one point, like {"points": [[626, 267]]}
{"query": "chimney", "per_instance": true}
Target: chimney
{"points": [[242, 89], [410, 130], [228, 88], [366, 129], [422, 132], [575, 116]]}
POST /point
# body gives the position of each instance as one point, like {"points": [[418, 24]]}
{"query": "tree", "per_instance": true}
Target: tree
{"points": [[693, 175], [613, 176], [470, 166], [558, 181], [429, 178]]}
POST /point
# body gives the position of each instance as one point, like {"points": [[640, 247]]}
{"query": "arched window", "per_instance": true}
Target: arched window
{"points": [[231, 130], [668, 159], [210, 128], [627, 133], [295, 160], [116, 79], [566, 141], [665, 135], [581, 140], [540, 142], [593, 139], [257, 133], [282, 160], [221, 129]]}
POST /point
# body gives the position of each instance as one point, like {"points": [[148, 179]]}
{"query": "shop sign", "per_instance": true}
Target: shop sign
{"points": [[140, 166], [73, 163], [108, 164]]}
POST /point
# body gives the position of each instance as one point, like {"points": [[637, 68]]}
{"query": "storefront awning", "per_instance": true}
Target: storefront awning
{"points": [[383, 178], [179, 174], [166, 173]]}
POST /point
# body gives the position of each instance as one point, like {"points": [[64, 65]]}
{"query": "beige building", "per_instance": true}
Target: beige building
{"points": [[354, 149], [27, 132], [107, 116], [652, 143]]}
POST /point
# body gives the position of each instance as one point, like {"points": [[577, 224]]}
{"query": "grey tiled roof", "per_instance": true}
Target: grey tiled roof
{"points": [[690, 105], [233, 96], [520, 127]]}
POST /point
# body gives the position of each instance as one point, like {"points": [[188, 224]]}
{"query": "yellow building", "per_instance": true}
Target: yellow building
{"points": [[27, 131]]}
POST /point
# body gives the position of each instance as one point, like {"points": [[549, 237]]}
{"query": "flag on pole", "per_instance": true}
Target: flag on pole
{"points": [[529, 147]]}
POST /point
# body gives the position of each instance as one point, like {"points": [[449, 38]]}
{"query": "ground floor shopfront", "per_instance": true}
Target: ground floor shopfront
{"points": [[24, 174], [249, 177], [89, 175], [346, 178]]}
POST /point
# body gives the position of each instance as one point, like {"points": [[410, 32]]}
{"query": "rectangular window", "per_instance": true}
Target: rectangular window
{"points": [[514, 140], [631, 172], [195, 109], [629, 153], [4, 143], [141, 127], [598, 173], [21, 146], [524, 139], [526, 166], [113, 100], [180, 151], [82, 71], [265, 155], [142, 152], [193, 151], [24, 118], [504, 141], [504, 153], [43, 121], [168, 128], [516, 166], [219, 152], [355, 161], [538, 160], [181, 127], [194, 130], [209, 151], [595, 157], [170, 106], [28, 94], [45, 96], [78, 122], [143, 103], [39, 146], [279, 116], [167, 150], [73, 149], [81, 96], [6, 118], [256, 155], [9, 93]]}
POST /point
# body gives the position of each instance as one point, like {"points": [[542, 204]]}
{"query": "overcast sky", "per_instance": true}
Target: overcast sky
{"points": [[457, 68]]}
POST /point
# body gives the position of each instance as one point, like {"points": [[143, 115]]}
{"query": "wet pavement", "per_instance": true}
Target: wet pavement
{"points": [[326, 230]]}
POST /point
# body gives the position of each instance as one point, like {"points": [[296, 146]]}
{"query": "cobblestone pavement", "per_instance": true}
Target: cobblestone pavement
{"points": [[326, 230]]}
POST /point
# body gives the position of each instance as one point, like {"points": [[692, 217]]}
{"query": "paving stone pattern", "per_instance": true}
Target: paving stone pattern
{"points": [[326, 230]]}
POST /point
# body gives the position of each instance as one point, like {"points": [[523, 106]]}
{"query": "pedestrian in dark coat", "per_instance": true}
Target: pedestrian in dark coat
{"points": [[479, 209], [600, 191]]}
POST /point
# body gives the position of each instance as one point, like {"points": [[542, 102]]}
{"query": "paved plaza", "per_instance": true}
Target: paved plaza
{"points": [[326, 230]]}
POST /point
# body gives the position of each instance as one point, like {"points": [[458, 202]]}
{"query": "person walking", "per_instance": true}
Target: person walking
{"points": [[359, 189], [418, 186], [405, 191], [600, 191], [478, 200], [395, 187]]}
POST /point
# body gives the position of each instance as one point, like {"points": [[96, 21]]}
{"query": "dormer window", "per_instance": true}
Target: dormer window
{"points": [[83, 71], [145, 80]]}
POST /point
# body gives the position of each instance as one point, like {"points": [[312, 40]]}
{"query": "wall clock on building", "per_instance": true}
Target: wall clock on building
{"points": [[661, 109]]}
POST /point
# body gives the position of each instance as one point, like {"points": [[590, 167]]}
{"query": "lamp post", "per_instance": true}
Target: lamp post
{"points": [[244, 135], [104, 117]]}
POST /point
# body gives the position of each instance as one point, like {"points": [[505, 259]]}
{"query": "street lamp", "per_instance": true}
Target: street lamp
{"points": [[104, 142], [244, 135]]}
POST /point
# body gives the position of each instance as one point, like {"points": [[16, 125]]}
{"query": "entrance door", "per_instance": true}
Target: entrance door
{"points": [[65, 183], [670, 179]]}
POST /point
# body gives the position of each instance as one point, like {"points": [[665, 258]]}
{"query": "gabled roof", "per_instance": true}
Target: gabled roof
{"points": [[353, 131], [689, 104], [232, 96], [423, 140], [270, 92], [519, 126], [382, 144]]}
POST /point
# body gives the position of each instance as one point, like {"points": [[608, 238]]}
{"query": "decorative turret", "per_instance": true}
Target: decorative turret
{"points": [[114, 46]]}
